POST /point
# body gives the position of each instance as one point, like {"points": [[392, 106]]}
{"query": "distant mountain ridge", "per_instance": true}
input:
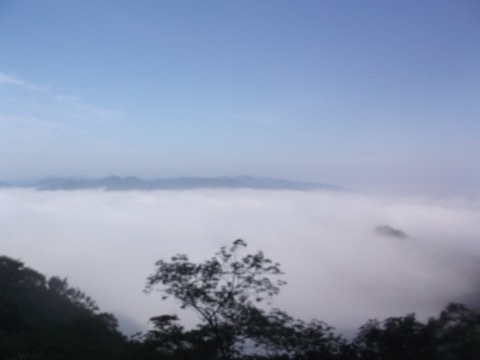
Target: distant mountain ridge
{"points": [[117, 183]]}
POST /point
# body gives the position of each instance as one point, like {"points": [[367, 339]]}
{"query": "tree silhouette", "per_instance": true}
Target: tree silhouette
{"points": [[42, 319], [282, 336], [395, 338], [223, 291], [456, 333]]}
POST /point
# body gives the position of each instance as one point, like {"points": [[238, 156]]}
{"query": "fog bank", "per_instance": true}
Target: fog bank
{"points": [[346, 257]]}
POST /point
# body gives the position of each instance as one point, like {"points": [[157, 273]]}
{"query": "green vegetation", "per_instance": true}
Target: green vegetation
{"points": [[42, 319], [49, 319], [223, 291]]}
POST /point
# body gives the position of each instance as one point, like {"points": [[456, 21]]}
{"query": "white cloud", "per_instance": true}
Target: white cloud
{"points": [[16, 81], [11, 80], [52, 99], [338, 268], [79, 104]]}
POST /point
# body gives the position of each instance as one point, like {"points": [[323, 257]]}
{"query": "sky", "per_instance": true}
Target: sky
{"points": [[373, 96]]}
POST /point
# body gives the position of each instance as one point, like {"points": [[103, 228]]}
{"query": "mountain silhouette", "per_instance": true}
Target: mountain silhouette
{"points": [[117, 183]]}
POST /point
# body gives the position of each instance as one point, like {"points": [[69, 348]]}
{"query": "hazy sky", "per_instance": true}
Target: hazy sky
{"points": [[364, 94]]}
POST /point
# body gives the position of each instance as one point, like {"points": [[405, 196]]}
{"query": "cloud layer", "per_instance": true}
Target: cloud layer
{"points": [[339, 267]]}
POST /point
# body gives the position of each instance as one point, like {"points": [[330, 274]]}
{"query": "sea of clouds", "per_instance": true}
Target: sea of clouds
{"points": [[346, 257]]}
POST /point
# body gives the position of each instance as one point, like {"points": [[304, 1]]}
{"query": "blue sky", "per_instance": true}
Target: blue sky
{"points": [[380, 95]]}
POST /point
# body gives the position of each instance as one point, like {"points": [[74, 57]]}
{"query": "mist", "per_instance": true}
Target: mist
{"points": [[346, 257]]}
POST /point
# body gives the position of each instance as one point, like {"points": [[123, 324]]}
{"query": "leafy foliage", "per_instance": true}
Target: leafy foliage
{"points": [[284, 336], [225, 290], [222, 290], [455, 334], [169, 340]]}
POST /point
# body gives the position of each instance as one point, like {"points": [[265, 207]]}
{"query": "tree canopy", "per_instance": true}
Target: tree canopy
{"points": [[223, 290], [48, 319]]}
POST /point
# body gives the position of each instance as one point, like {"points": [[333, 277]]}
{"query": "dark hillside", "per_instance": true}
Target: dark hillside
{"points": [[47, 319]]}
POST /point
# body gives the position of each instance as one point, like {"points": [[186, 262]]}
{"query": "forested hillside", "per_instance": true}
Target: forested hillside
{"points": [[47, 319]]}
